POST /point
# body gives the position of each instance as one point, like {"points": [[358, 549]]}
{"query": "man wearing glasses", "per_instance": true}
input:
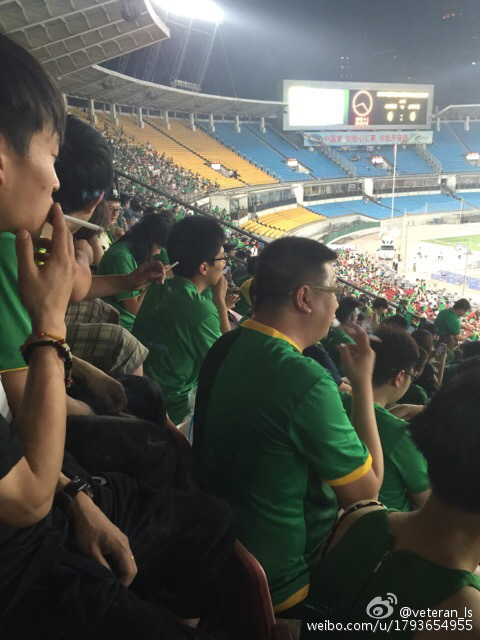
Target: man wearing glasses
{"points": [[271, 435], [180, 320]]}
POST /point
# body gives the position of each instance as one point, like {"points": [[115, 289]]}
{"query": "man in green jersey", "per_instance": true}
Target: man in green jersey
{"points": [[270, 432], [176, 322], [448, 320]]}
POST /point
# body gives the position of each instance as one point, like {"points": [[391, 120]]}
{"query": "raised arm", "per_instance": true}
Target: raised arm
{"points": [[358, 361], [27, 491]]}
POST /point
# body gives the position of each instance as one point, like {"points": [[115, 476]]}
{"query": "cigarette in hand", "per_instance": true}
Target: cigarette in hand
{"points": [[170, 267], [82, 223]]}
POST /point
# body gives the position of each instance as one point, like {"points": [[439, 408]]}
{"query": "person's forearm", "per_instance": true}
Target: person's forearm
{"points": [[365, 423], [224, 321], [40, 421], [104, 286], [83, 278], [441, 371]]}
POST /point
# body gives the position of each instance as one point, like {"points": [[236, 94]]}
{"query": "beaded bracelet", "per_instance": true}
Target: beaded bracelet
{"points": [[63, 351]]}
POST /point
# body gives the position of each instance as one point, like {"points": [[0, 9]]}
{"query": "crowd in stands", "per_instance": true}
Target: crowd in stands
{"points": [[416, 299], [146, 164], [300, 400]]}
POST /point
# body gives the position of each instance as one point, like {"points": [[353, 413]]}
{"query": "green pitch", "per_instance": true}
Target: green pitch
{"points": [[472, 242]]}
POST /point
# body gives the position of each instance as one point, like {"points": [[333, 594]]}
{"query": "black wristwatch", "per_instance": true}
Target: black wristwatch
{"points": [[65, 497]]}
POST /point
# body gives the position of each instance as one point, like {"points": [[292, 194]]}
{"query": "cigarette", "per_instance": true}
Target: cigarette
{"points": [[173, 265], [373, 338], [82, 223]]}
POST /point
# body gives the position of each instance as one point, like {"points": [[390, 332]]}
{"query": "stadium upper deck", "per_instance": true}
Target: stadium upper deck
{"points": [[235, 143]]}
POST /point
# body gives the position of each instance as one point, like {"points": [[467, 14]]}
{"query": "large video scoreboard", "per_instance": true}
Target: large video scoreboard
{"points": [[316, 106]]}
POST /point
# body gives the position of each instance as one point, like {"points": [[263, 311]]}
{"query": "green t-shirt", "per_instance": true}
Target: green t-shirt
{"points": [[162, 256], [119, 260], [178, 326], [271, 438], [405, 467], [15, 323], [364, 566], [447, 321], [415, 395], [335, 337]]}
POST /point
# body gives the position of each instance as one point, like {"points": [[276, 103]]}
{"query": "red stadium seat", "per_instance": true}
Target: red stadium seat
{"points": [[242, 608]]}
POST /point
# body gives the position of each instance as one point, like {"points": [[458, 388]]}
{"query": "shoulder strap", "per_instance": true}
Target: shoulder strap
{"points": [[345, 514], [208, 374]]}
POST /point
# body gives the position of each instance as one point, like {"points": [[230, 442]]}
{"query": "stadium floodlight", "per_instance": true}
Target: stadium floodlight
{"points": [[205, 10]]}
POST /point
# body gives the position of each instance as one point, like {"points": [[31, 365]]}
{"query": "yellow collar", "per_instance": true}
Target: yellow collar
{"points": [[268, 331]]}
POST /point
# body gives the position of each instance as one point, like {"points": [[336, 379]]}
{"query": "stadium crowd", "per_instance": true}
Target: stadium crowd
{"points": [[146, 164], [300, 400]]}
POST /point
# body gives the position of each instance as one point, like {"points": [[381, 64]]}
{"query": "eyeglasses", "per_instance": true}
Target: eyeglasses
{"points": [[411, 374], [226, 259], [338, 290], [116, 209]]}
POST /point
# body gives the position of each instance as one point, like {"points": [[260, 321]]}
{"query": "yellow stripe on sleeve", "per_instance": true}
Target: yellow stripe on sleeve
{"points": [[354, 475], [294, 599]]}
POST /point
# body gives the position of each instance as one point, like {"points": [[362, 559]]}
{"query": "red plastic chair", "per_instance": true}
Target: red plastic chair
{"points": [[242, 607]]}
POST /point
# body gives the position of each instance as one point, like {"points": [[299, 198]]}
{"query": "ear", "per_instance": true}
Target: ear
{"points": [[203, 269], [90, 208], [301, 300], [4, 152], [396, 380]]}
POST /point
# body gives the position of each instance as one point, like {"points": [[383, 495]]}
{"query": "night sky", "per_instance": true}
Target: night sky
{"points": [[262, 42]]}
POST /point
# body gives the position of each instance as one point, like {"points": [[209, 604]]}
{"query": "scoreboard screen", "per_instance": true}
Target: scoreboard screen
{"points": [[322, 105]]}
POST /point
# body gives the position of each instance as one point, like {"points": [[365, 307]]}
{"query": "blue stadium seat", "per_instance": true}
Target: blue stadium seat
{"points": [[319, 164], [255, 150], [408, 162], [450, 151], [409, 204]]}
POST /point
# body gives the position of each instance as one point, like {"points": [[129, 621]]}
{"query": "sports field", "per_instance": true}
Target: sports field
{"points": [[471, 242]]}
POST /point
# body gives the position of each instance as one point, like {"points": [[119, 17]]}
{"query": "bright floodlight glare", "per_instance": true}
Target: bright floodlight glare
{"points": [[205, 10]]}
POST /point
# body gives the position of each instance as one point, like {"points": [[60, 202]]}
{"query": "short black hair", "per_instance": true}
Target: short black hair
{"points": [[447, 432], [193, 240], [396, 321], [463, 305], [29, 99], [84, 166], [286, 264], [423, 338], [397, 351], [346, 308], [153, 228], [380, 303]]}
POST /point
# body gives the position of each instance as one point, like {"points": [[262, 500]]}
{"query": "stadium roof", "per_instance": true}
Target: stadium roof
{"points": [[68, 36], [459, 112], [112, 87], [73, 37]]}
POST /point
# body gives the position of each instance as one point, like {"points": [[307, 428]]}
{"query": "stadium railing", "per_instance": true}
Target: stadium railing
{"points": [[229, 225]]}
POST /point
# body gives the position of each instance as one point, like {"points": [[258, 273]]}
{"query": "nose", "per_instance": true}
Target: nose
{"points": [[56, 182]]}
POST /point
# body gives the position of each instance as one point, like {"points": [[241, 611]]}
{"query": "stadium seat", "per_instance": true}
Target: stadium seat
{"points": [[242, 607], [319, 165], [275, 225], [250, 146]]}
